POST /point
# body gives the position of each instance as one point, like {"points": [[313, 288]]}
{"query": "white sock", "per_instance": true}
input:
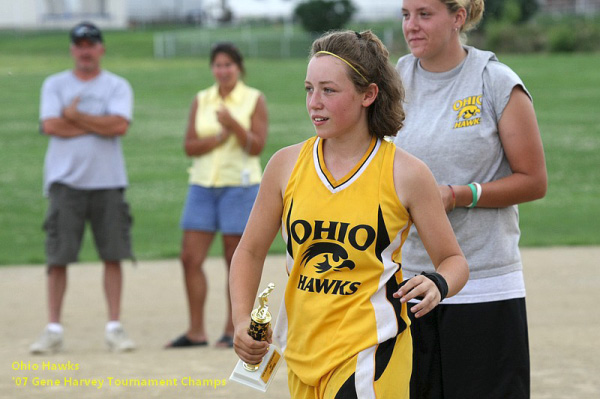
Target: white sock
{"points": [[113, 325], [55, 328]]}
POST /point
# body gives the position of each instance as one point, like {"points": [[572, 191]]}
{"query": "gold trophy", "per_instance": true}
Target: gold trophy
{"points": [[259, 376]]}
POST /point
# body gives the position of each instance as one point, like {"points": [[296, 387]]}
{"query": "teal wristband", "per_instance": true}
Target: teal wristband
{"points": [[474, 192]]}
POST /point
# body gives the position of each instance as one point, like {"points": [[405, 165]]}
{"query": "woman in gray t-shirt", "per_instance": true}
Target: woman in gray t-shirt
{"points": [[472, 121]]}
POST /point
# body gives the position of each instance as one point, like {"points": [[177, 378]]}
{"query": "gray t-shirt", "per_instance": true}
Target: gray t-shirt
{"points": [[452, 125], [90, 161]]}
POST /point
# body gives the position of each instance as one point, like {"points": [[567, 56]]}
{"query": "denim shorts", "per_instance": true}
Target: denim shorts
{"points": [[224, 209], [68, 211]]}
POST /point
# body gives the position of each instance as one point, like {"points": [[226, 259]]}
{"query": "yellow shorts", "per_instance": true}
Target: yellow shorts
{"points": [[382, 371]]}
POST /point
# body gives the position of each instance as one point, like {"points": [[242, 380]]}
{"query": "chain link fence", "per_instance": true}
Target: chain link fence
{"points": [[281, 41]]}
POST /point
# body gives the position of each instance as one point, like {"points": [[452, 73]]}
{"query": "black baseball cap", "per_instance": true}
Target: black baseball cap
{"points": [[87, 31]]}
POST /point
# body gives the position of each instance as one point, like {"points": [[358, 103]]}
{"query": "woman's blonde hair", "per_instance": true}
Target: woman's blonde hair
{"points": [[369, 56], [474, 10]]}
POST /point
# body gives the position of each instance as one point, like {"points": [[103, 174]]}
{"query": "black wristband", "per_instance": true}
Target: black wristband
{"points": [[440, 283]]}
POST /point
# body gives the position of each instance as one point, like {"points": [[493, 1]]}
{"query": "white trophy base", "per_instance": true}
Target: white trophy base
{"points": [[262, 377]]}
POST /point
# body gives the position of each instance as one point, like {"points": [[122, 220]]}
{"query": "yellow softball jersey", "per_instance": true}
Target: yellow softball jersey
{"points": [[343, 242]]}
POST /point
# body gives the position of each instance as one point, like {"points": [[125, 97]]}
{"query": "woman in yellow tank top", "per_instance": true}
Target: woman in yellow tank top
{"points": [[226, 132], [345, 201]]}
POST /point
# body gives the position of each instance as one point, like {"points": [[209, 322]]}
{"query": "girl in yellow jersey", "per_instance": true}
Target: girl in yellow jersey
{"points": [[345, 201]]}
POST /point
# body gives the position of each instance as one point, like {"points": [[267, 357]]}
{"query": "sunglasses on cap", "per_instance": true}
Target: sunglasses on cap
{"points": [[87, 32]]}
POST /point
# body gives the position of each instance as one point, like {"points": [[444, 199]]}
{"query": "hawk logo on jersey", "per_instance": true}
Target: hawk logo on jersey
{"points": [[325, 285], [327, 249], [328, 254], [467, 109]]}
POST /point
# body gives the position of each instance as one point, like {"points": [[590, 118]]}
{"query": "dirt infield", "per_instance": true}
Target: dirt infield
{"points": [[563, 291]]}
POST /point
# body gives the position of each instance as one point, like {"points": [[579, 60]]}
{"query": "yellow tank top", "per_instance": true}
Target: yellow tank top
{"points": [[225, 165], [344, 242]]}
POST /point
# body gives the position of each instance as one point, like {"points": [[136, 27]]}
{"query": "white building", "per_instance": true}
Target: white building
{"points": [[52, 14], [366, 9], [141, 10], [59, 14]]}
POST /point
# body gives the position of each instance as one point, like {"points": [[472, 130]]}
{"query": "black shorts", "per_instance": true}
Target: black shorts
{"points": [[471, 351], [69, 210]]}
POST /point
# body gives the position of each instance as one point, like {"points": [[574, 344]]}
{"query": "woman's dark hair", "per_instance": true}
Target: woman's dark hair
{"points": [[369, 56], [231, 50]]}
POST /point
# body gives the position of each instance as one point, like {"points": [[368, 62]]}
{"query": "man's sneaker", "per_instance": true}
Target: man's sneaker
{"points": [[48, 342], [118, 341]]}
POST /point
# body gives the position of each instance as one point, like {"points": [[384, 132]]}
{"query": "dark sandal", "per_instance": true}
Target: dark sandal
{"points": [[184, 342], [226, 341]]}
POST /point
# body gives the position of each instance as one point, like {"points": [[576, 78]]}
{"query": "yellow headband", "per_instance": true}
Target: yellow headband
{"points": [[349, 64]]}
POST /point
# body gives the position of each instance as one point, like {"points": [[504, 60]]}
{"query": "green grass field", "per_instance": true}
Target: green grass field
{"points": [[564, 87]]}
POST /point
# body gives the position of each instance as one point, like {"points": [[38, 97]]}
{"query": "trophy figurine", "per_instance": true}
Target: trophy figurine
{"points": [[259, 376]]}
